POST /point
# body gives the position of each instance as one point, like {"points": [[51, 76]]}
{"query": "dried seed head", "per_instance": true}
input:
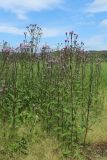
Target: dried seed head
{"points": [[71, 33]]}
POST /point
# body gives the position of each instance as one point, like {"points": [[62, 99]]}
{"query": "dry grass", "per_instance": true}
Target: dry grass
{"points": [[98, 132], [98, 135], [39, 147], [43, 150]]}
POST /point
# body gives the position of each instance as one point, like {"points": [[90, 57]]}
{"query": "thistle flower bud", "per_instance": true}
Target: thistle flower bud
{"points": [[71, 33], [66, 33]]}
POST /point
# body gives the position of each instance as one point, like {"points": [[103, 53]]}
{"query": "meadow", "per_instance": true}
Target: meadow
{"points": [[53, 105]]}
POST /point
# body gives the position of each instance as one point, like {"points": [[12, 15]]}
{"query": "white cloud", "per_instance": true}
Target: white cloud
{"points": [[21, 7], [47, 32], [6, 28], [96, 42], [86, 23], [104, 23], [53, 32], [21, 15], [97, 6]]}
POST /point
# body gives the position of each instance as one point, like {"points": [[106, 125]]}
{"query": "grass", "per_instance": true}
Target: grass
{"points": [[38, 147], [97, 136], [98, 132]]}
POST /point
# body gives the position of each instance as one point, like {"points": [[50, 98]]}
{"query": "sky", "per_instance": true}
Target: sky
{"points": [[87, 18]]}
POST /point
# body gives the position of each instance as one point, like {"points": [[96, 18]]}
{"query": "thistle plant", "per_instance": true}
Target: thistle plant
{"points": [[59, 90]]}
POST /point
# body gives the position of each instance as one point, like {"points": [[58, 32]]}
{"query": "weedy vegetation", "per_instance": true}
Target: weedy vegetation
{"points": [[49, 102]]}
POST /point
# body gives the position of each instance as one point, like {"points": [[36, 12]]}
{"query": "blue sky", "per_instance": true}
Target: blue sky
{"points": [[88, 18]]}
